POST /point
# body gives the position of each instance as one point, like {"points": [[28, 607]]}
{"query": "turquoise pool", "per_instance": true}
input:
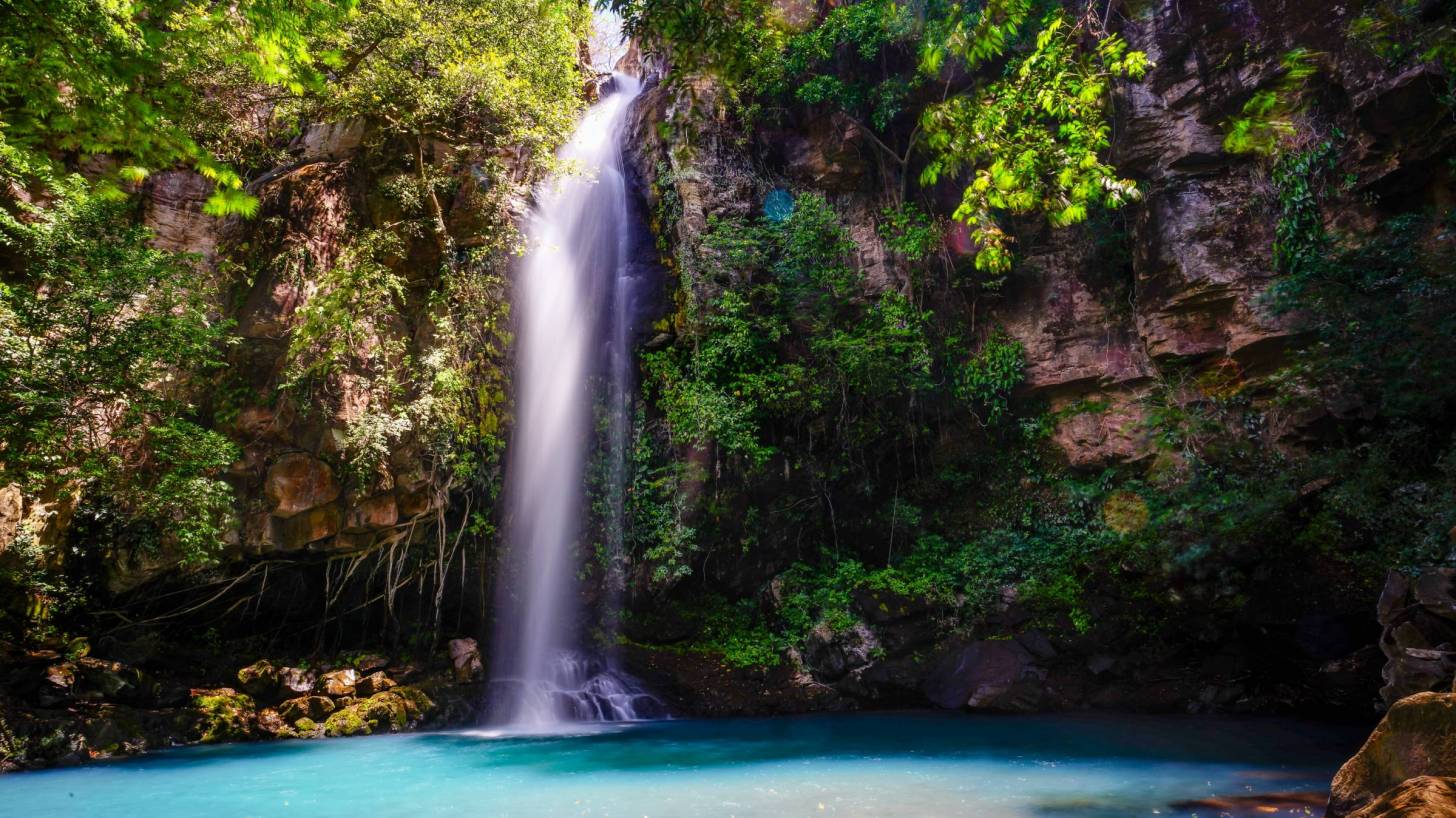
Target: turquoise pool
{"points": [[917, 765]]}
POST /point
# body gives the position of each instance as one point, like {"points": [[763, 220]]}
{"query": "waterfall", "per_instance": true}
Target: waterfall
{"points": [[574, 328]]}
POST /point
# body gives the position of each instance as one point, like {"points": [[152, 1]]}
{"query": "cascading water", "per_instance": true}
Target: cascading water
{"points": [[574, 323]]}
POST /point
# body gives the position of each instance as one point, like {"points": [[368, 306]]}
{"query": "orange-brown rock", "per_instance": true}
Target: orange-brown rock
{"points": [[1424, 796], [308, 527], [297, 482], [1416, 738], [371, 514]]}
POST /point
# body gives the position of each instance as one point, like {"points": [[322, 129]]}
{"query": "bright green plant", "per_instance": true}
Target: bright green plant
{"points": [[986, 379], [1267, 120], [111, 78], [1034, 139]]}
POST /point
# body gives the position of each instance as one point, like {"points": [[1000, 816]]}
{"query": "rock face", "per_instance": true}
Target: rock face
{"points": [[1416, 738], [298, 482], [1419, 637]]}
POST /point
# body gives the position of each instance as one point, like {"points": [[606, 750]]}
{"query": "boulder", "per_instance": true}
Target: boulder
{"points": [[1424, 796], [1435, 590], [270, 722], [57, 684], [222, 714], [306, 707], [323, 141], [997, 674], [338, 682], [260, 679], [465, 660], [298, 482], [1416, 738], [370, 662], [417, 704], [293, 680], [115, 681], [382, 712], [376, 682]]}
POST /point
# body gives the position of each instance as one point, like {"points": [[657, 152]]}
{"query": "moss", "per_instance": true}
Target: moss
{"points": [[417, 704], [223, 715], [347, 722], [305, 728], [385, 710]]}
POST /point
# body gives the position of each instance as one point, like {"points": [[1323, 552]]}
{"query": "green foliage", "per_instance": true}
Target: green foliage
{"points": [[1030, 126], [733, 39], [1266, 120], [502, 74], [734, 631], [339, 326], [986, 379], [861, 31], [1403, 31], [656, 511], [909, 232], [112, 78], [1034, 138], [152, 84], [96, 330], [789, 339], [720, 390]]}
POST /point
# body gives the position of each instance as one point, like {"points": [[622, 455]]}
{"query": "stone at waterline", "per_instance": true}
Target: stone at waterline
{"points": [[222, 714], [465, 660], [1417, 737], [996, 674], [271, 722], [832, 654], [1419, 633], [1424, 796]]}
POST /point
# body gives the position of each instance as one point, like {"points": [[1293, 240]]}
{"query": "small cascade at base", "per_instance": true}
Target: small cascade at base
{"points": [[580, 688]]}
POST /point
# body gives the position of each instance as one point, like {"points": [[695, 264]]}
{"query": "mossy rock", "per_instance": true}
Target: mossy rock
{"points": [[260, 679], [306, 728], [385, 711], [346, 722], [223, 715], [417, 704], [381, 713]]}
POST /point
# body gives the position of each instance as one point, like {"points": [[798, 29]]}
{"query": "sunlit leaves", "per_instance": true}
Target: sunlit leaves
{"points": [[1266, 120], [1033, 140], [110, 78]]}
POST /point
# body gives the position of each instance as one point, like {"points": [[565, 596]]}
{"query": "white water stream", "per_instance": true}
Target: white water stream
{"points": [[572, 308]]}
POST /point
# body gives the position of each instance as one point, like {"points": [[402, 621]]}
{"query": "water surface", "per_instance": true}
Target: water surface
{"points": [[874, 766]]}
